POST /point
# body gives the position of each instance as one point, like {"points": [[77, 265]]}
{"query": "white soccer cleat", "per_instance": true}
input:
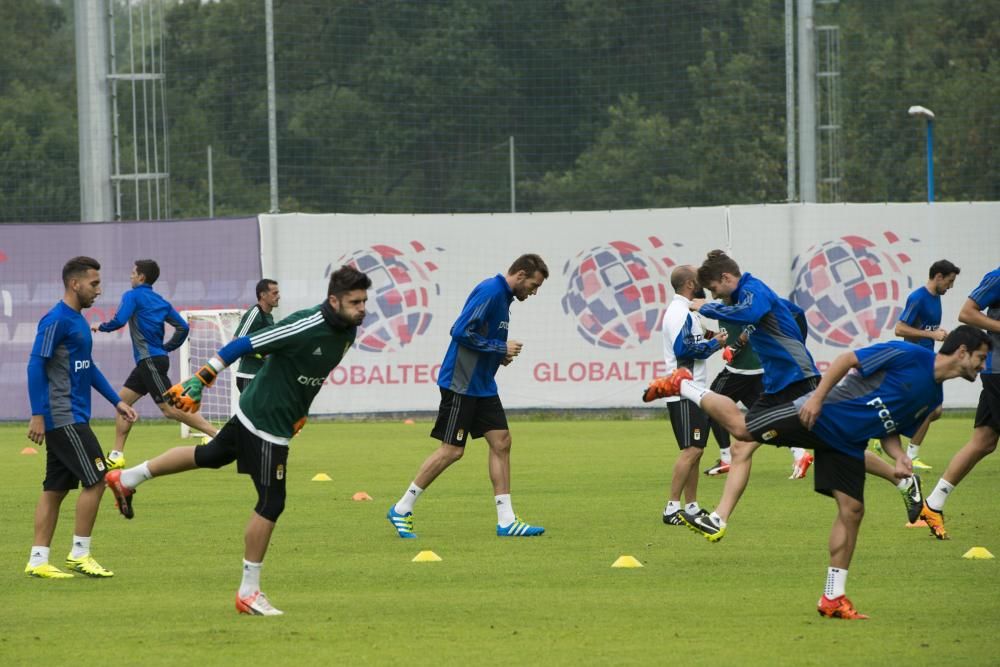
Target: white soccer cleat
{"points": [[256, 605]]}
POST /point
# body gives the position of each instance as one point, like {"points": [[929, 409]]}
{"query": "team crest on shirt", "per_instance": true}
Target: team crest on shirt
{"points": [[99, 464], [769, 435], [279, 472]]}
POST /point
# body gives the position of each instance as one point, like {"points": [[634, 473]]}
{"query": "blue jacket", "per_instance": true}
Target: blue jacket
{"points": [[61, 370], [775, 337], [478, 340], [145, 311]]}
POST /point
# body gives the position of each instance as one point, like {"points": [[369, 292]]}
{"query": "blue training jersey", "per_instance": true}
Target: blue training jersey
{"points": [[987, 297], [922, 311], [774, 335], [61, 370], [478, 340], [892, 391], [145, 311]]}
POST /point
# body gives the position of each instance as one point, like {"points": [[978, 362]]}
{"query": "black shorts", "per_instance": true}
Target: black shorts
{"points": [[150, 377], [265, 462], [72, 455], [745, 389], [988, 411], [242, 383], [689, 422], [460, 415], [837, 471], [774, 418]]}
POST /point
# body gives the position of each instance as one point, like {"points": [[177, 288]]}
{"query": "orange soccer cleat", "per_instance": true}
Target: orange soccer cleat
{"points": [[666, 386], [935, 521], [839, 607]]}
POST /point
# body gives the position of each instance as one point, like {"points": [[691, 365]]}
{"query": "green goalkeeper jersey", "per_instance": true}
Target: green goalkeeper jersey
{"points": [[252, 321], [300, 350]]}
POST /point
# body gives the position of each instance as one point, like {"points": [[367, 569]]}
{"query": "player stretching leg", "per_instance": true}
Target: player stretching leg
{"points": [[470, 404], [986, 431], [301, 351], [61, 373], [895, 386], [145, 312]]}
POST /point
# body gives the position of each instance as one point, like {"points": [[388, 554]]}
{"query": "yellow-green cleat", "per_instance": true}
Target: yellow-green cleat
{"points": [[46, 571], [88, 566], [920, 465]]}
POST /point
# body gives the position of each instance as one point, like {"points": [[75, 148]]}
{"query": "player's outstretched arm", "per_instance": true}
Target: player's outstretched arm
{"points": [[186, 395], [971, 314], [810, 410]]}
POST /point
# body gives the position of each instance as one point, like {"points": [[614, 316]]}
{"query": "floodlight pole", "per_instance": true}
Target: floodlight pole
{"points": [[928, 115]]}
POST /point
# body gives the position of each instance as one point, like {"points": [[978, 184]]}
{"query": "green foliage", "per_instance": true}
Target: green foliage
{"points": [[352, 596], [402, 106]]}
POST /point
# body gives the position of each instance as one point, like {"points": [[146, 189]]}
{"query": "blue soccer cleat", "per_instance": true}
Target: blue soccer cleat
{"points": [[519, 529], [403, 523]]}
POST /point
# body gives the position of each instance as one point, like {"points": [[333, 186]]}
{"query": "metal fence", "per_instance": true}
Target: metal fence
{"points": [[464, 106]]}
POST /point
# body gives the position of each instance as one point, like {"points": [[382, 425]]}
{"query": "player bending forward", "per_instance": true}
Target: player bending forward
{"points": [[301, 351], [893, 389]]}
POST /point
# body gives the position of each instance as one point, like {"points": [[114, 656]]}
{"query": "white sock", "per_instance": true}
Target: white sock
{"points": [[725, 455], [405, 504], [797, 453], [251, 578], [718, 519], [673, 506], [940, 494], [692, 508], [39, 556], [693, 392], [904, 484], [913, 451], [133, 477], [81, 547], [836, 582], [505, 510]]}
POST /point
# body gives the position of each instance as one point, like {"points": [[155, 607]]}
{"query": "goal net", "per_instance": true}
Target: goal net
{"points": [[210, 330]]}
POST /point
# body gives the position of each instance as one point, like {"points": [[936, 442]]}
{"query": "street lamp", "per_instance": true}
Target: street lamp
{"points": [[924, 112]]}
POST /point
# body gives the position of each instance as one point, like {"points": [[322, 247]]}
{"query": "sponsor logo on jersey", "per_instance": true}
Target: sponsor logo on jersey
{"points": [[310, 382], [81, 365], [504, 325], [888, 423]]}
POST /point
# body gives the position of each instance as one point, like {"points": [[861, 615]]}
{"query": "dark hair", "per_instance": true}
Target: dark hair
{"points": [[77, 266], [264, 286], [716, 263], [944, 267], [148, 269], [347, 279], [969, 336], [530, 264]]}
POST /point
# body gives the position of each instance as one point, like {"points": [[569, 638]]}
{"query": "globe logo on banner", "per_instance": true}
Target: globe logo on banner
{"points": [[400, 296], [616, 293], [851, 288]]}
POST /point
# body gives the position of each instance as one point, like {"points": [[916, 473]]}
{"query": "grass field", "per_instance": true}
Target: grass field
{"points": [[352, 596]]}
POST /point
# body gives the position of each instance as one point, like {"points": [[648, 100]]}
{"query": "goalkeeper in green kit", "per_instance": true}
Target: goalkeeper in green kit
{"points": [[301, 351]]}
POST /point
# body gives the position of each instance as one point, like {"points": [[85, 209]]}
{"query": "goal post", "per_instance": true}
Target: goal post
{"points": [[208, 331]]}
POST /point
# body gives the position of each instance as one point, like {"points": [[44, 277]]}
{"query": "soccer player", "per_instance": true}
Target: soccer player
{"points": [[145, 312], [256, 318], [920, 323], [301, 351], [61, 374], [470, 404], [894, 386], [986, 431], [741, 380], [685, 346]]}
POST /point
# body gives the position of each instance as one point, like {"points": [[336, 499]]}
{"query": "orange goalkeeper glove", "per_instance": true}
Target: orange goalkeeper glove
{"points": [[186, 395]]}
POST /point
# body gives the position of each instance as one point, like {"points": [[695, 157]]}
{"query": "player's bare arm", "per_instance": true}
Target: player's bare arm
{"points": [[36, 429], [972, 314], [894, 448]]}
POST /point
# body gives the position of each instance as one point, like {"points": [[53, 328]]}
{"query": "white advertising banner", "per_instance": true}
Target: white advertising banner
{"points": [[591, 334]]}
